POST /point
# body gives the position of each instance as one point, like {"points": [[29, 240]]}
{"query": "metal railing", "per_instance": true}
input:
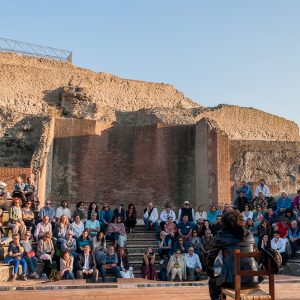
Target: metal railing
{"points": [[7, 45]]}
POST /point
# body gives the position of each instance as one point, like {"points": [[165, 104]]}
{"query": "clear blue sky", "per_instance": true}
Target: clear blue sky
{"points": [[235, 52]]}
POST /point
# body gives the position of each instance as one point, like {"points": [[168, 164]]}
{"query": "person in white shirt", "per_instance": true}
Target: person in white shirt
{"points": [[262, 188], [165, 214], [151, 218], [63, 210], [77, 227], [193, 264], [201, 213], [279, 244]]}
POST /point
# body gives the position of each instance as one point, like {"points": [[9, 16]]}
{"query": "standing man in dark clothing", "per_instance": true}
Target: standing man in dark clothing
{"points": [[232, 236]]}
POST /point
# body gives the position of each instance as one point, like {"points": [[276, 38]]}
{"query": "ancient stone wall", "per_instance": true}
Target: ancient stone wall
{"points": [[277, 162], [127, 164], [212, 164]]}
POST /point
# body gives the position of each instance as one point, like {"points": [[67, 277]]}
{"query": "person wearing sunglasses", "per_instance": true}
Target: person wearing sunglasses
{"points": [[48, 211]]}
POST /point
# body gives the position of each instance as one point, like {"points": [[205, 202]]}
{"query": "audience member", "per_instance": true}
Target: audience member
{"points": [[16, 218], [131, 215], [28, 216], [185, 229], [260, 200], [19, 190], [206, 246], [69, 244], [195, 242], [42, 227], [212, 214], [283, 203], [180, 245], [186, 210], [240, 201], [201, 213], [165, 214], [171, 228], [15, 256], [296, 200], [247, 213], [279, 244], [151, 218], [116, 231], [271, 216], [30, 190], [29, 255], [258, 215], [99, 247], [148, 265], [246, 189], [193, 264], [217, 226], [123, 264], [80, 211], [63, 210], [48, 211], [294, 237], [262, 188], [164, 245], [93, 208], [77, 227], [176, 266], [61, 229], [45, 252], [83, 241], [92, 226], [282, 227], [86, 264], [119, 211], [106, 216], [109, 264], [66, 265]]}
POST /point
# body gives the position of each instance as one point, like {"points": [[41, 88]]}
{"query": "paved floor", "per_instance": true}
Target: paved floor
{"points": [[283, 292]]}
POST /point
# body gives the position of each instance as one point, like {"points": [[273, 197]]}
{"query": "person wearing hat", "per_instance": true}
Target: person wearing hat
{"points": [[232, 236], [186, 210]]}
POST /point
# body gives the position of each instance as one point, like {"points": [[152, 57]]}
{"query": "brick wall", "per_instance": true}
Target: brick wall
{"points": [[128, 164], [9, 175]]}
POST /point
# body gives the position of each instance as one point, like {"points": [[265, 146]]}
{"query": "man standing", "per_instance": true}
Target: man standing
{"points": [[232, 236], [86, 265], [110, 264]]}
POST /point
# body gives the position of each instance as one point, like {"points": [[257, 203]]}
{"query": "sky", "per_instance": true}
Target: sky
{"points": [[234, 52]]}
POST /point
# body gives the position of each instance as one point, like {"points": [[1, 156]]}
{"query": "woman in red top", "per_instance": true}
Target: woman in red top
{"points": [[283, 228]]}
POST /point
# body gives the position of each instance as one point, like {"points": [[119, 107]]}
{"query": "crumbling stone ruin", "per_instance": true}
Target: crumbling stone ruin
{"points": [[94, 137]]}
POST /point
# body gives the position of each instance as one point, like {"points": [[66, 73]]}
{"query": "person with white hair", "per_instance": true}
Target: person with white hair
{"points": [[283, 203], [294, 237]]}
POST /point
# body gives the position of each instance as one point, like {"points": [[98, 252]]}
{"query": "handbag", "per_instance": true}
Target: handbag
{"points": [[30, 253]]}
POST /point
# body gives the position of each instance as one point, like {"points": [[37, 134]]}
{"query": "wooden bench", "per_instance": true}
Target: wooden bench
{"points": [[254, 293]]}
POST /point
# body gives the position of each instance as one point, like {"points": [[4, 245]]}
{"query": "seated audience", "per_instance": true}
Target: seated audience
{"points": [[195, 242], [247, 213], [69, 244], [240, 201], [80, 211], [193, 264], [265, 242], [83, 241], [109, 264], [151, 218], [212, 214], [282, 227], [271, 216], [294, 237], [61, 228], [250, 226], [263, 228], [283, 203], [77, 227], [86, 264], [30, 190], [260, 200], [148, 265], [205, 226], [45, 252], [42, 227], [48, 211], [123, 264], [185, 229], [93, 226], [106, 216], [165, 214], [116, 231], [164, 245], [258, 214], [28, 216], [279, 244], [289, 215], [201, 213], [66, 266], [131, 215], [19, 190], [176, 266], [29, 255], [63, 210], [186, 210], [119, 211], [171, 229], [262, 188], [246, 189], [296, 200], [16, 222], [93, 208], [15, 256], [180, 245], [99, 247], [217, 226]]}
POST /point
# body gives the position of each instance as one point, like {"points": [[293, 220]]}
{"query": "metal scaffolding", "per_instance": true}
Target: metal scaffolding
{"points": [[7, 45]]}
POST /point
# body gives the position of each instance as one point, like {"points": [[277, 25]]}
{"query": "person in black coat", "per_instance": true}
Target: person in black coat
{"points": [[86, 265], [232, 236], [119, 212]]}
